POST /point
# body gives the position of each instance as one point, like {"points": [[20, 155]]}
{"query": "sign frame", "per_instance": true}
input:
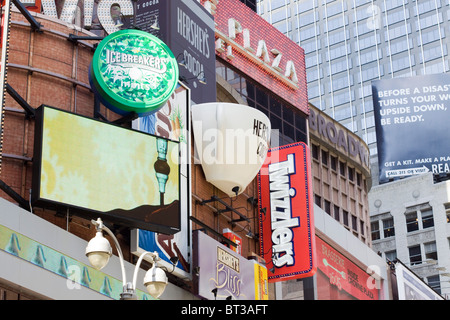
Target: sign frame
{"points": [[123, 216]]}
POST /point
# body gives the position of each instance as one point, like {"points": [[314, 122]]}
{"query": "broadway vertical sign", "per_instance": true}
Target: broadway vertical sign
{"points": [[287, 237]]}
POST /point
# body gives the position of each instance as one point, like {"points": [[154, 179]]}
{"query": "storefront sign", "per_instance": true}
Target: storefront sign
{"points": [[133, 71], [287, 227], [100, 170], [340, 279], [221, 273], [256, 48]]}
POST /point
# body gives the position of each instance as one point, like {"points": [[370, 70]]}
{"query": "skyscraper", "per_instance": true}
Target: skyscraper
{"points": [[349, 43]]}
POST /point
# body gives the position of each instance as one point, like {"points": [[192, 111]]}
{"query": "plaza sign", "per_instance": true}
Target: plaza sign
{"points": [[254, 47], [133, 71]]}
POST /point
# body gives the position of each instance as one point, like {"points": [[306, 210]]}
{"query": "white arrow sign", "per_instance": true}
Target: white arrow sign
{"points": [[406, 172]]}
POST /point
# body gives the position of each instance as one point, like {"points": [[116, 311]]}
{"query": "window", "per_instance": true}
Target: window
{"points": [[427, 218], [388, 228], [447, 212], [318, 200], [345, 215], [342, 168], [351, 173], [354, 223], [419, 217], [412, 222], [391, 255], [336, 213], [375, 226], [327, 206], [430, 251], [435, 283], [415, 255], [325, 157], [315, 151], [333, 162]]}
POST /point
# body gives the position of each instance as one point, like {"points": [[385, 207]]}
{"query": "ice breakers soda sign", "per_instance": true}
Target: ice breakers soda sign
{"points": [[287, 227], [133, 71]]}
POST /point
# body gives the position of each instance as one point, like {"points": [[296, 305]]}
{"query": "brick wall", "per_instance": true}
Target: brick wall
{"points": [[46, 68]]}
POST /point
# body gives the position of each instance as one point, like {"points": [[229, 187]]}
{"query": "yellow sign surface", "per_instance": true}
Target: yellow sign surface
{"points": [[90, 164]]}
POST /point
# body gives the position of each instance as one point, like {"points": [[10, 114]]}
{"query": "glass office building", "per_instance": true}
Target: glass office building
{"points": [[350, 43]]}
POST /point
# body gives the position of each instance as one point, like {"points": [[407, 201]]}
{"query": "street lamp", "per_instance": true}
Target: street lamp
{"points": [[99, 251]]}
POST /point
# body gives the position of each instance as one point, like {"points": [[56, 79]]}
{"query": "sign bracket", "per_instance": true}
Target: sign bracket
{"points": [[206, 227], [227, 208], [36, 26], [29, 110]]}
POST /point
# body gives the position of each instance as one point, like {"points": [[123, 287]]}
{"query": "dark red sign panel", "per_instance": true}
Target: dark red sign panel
{"points": [[258, 49], [340, 279], [287, 237]]}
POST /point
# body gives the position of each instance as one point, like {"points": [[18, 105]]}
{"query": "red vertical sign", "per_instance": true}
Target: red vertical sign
{"points": [[287, 237]]}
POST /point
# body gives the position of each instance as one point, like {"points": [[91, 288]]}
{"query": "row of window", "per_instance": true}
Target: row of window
{"points": [[333, 162], [416, 219], [348, 220], [415, 258], [290, 123]]}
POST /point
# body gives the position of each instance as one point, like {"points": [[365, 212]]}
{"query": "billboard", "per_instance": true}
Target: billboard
{"points": [[411, 287], [171, 121], [188, 29], [101, 170], [287, 236], [411, 120], [224, 274]]}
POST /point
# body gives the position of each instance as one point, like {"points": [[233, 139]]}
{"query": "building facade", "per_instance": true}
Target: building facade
{"points": [[410, 222], [350, 43], [341, 173], [341, 182], [51, 68]]}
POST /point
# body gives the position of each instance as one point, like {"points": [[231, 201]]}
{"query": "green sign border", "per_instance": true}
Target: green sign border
{"points": [[113, 99]]}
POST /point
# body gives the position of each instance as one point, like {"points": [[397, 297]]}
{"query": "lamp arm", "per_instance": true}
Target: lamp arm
{"points": [[116, 242], [155, 257]]}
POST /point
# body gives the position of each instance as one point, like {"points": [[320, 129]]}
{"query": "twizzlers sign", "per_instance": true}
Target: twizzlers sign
{"points": [[287, 237]]}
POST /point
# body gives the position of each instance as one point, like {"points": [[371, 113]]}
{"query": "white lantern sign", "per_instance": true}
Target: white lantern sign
{"points": [[231, 143]]}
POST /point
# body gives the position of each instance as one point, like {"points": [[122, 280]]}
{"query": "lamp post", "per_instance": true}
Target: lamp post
{"points": [[99, 251]]}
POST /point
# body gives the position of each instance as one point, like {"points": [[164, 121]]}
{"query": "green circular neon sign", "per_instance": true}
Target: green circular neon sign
{"points": [[133, 70]]}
